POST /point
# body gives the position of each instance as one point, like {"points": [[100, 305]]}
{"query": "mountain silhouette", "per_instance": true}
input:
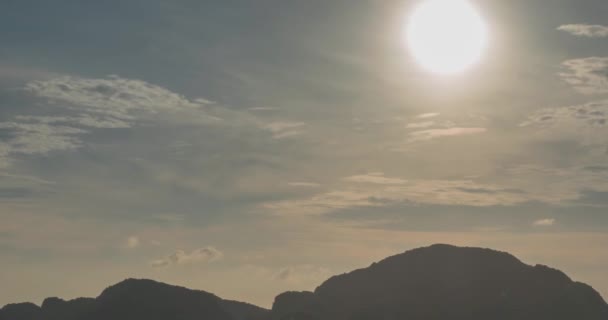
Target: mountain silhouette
{"points": [[446, 282], [138, 299], [437, 282]]}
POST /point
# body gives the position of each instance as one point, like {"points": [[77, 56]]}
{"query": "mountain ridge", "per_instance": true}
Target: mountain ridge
{"points": [[436, 282], [447, 282]]}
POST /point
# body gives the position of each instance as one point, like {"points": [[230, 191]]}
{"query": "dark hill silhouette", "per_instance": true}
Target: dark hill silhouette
{"points": [[138, 299], [446, 282], [438, 282], [21, 311]]}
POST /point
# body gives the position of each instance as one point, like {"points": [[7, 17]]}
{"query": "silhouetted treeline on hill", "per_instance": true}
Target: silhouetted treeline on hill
{"points": [[440, 282]]}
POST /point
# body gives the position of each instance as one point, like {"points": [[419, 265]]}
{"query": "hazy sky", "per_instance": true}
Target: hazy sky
{"points": [[251, 147]]}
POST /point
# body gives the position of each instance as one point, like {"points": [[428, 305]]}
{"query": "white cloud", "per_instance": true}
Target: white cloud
{"points": [[588, 75], [285, 129], [425, 135], [133, 242], [116, 97], [181, 257], [544, 223], [39, 138], [304, 184], [585, 30], [80, 106], [375, 178], [428, 115]]}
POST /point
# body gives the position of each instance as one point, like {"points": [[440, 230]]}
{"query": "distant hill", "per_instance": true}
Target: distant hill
{"points": [[138, 299], [445, 282], [433, 283]]}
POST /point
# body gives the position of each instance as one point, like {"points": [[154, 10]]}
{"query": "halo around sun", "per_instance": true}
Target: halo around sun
{"points": [[446, 36]]}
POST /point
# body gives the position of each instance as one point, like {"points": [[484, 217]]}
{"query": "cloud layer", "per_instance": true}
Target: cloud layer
{"points": [[74, 107], [377, 190]]}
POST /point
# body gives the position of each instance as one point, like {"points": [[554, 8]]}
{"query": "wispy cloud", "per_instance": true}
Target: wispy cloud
{"points": [[585, 30], [72, 108], [420, 125], [285, 129], [594, 114], [375, 178], [377, 190], [544, 223], [428, 115], [181, 257], [424, 135], [31, 138], [132, 242], [588, 75], [263, 109], [587, 124], [303, 184], [117, 98]]}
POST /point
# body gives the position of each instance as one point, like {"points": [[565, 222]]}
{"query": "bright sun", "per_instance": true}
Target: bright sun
{"points": [[446, 36]]}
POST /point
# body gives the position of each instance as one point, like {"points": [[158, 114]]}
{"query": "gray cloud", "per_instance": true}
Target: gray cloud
{"points": [[181, 257], [84, 120], [597, 169], [594, 114], [72, 108], [109, 103], [31, 138], [490, 191], [114, 96], [593, 197], [588, 75], [572, 126], [585, 30], [15, 192]]}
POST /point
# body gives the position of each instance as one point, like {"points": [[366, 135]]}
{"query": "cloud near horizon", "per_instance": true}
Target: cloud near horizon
{"points": [[181, 257]]}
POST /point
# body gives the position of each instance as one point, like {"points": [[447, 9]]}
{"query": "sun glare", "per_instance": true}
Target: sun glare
{"points": [[446, 36]]}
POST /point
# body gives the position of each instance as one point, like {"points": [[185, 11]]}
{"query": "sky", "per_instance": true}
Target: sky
{"points": [[248, 147]]}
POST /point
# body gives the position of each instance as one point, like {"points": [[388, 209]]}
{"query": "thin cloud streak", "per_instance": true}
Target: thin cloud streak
{"points": [[585, 30]]}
